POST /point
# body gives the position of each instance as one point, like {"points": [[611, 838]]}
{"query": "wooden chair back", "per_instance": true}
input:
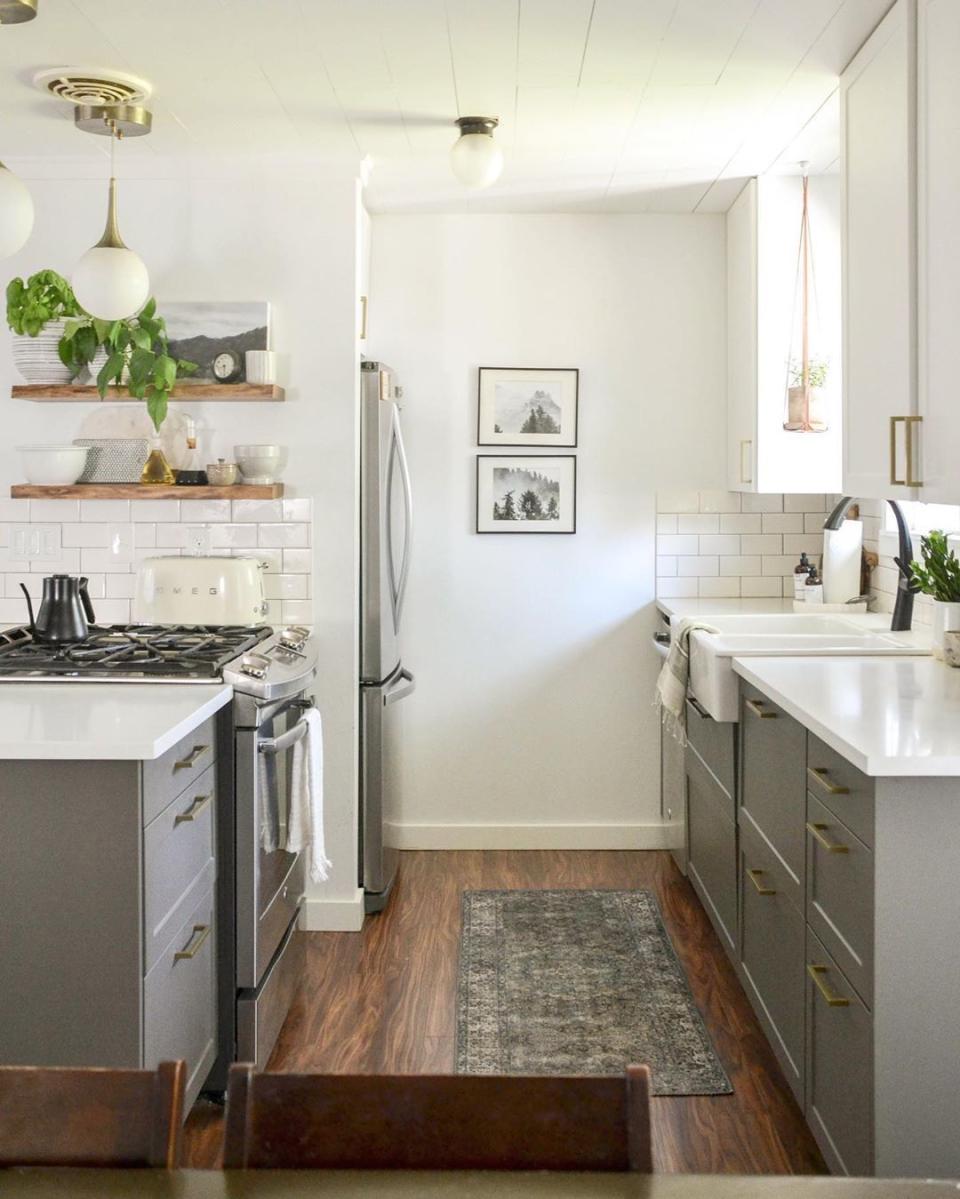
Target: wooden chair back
{"points": [[91, 1116], [437, 1122]]}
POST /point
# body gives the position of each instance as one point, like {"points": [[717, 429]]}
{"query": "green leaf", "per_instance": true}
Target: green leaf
{"points": [[157, 407], [111, 369], [141, 338], [102, 329], [165, 372], [70, 329], [141, 365], [185, 367], [148, 309], [86, 344], [65, 350]]}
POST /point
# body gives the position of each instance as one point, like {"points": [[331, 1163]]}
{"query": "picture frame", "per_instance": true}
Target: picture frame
{"points": [[199, 330], [526, 493], [536, 406]]}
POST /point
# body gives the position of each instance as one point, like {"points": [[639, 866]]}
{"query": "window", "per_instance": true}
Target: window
{"points": [[921, 518]]}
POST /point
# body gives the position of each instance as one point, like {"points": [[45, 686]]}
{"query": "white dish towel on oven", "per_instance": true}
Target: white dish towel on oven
{"points": [[305, 818]]}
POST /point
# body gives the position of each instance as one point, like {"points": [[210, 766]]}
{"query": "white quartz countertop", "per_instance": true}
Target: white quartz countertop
{"points": [[102, 720], [888, 716], [718, 607]]}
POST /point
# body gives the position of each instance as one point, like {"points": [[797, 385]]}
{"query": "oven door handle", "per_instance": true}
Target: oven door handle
{"points": [[276, 745]]}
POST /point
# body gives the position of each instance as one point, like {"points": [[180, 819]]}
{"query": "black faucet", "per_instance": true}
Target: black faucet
{"points": [[907, 588]]}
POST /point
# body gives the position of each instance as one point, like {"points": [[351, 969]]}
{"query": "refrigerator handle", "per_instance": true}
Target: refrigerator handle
{"points": [[400, 687], [399, 583]]}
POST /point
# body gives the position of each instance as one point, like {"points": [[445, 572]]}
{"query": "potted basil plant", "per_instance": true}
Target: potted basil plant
{"points": [[938, 575], [37, 312]]}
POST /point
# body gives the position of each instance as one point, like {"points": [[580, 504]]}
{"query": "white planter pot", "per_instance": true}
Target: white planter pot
{"points": [[946, 619], [37, 359]]}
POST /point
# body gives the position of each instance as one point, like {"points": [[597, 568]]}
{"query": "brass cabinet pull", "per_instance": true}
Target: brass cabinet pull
{"points": [[819, 775], [832, 998], [194, 810], [745, 441], [757, 708], [817, 830], [909, 422], [894, 421], [197, 938], [191, 758], [363, 317], [753, 875]]}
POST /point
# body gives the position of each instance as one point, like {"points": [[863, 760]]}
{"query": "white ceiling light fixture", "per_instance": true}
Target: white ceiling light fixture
{"points": [[476, 158], [110, 281], [16, 212]]}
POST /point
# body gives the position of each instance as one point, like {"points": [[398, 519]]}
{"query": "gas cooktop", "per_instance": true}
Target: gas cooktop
{"points": [[147, 652]]}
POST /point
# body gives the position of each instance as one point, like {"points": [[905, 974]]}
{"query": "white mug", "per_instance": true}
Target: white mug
{"points": [[261, 366]]}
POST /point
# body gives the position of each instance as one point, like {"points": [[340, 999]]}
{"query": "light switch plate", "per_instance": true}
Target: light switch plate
{"points": [[29, 543]]}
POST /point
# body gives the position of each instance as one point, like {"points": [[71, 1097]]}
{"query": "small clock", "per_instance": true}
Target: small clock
{"points": [[227, 366]]}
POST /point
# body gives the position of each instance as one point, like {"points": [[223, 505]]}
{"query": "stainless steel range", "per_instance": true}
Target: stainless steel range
{"points": [[259, 890]]}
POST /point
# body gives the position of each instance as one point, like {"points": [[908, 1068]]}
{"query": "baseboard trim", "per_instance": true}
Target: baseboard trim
{"points": [[333, 915], [531, 836]]}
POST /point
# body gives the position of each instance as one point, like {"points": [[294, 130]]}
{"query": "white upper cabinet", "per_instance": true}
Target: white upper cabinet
{"points": [[742, 340], [763, 332], [882, 435], [938, 124]]}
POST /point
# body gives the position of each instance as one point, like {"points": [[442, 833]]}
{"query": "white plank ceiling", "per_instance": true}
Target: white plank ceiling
{"points": [[605, 105]]}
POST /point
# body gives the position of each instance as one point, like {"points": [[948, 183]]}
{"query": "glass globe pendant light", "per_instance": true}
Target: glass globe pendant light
{"points": [[16, 212], [476, 158], [110, 281]]}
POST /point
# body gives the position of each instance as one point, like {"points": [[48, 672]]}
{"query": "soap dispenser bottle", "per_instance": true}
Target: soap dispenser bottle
{"points": [[813, 588], [800, 574]]}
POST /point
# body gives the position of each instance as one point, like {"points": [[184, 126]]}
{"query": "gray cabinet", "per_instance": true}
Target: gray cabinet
{"points": [[772, 787], [712, 847], [772, 937], [108, 936], [839, 1065]]}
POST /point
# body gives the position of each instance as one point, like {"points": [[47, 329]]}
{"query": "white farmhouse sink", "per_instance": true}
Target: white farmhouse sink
{"points": [[780, 635]]}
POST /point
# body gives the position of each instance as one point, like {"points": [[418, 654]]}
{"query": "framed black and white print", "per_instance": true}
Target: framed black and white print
{"points": [[527, 495], [527, 406]]}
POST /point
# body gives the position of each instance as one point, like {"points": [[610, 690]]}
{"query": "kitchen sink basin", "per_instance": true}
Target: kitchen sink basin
{"points": [[783, 634]]}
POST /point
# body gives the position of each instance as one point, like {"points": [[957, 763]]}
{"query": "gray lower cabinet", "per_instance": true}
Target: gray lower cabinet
{"points": [[773, 751], [712, 847], [772, 934], [839, 1065], [108, 929]]}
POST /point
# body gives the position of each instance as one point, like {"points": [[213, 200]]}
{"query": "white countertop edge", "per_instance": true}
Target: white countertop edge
{"points": [[145, 744], [942, 766]]}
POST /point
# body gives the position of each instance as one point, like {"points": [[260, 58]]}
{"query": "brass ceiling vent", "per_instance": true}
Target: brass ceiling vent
{"points": [[93, 88]]}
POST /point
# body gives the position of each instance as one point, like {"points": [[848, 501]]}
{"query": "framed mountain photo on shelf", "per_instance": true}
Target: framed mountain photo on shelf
{"points": [[527, 495], [527, 406]]}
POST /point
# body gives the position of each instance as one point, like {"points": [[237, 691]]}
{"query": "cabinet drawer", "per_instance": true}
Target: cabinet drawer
{"points": [[846, 791], [179, 863], [165, 777], [772, 787], [180, 1000], [712, 847], [772, 952], [840, 895], [839, 1065], [715, 742]]}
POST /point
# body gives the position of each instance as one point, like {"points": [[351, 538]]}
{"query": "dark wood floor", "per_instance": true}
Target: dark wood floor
{"points": [[382, 1001]]}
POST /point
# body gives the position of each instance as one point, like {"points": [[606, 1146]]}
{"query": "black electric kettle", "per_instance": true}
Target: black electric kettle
{"points": [[66, 612]]}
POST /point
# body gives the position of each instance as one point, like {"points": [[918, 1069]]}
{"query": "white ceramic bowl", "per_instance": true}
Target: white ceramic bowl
{"points": [[53, 465], [258, 463]]}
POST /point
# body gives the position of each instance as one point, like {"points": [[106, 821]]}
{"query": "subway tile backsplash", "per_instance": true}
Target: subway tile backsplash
{"points": [[107, 539], [724, 544]]}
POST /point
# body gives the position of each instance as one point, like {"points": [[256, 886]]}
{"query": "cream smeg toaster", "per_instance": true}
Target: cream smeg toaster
{"points": [[199, 591]]}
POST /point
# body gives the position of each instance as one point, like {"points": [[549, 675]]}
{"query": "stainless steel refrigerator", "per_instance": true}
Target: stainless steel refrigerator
{"points": [[386, 527]]}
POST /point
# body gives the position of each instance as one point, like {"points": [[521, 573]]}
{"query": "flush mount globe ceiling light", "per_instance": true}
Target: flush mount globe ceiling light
{"points": [[476, 158], [110, 281], [15, 12]]}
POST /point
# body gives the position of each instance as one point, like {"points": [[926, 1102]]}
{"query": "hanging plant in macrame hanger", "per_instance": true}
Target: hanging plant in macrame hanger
{"points": [[805, 404]]}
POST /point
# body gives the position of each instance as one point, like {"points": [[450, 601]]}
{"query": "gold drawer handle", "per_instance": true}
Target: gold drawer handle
{"points": [[194, 810], [894, 421], [197, 938], [191, 758], [754, 876], [757, 708], [817, 831], [819, 775], [744, 442], [832, 998], [909, 422]]}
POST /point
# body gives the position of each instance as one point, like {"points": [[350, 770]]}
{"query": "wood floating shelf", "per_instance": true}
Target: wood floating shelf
{"points": [[145, 491], [69, 393]]}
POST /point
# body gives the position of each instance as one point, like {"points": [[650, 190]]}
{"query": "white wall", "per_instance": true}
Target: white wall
{"points": [[533, 724], [291, 241]]}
